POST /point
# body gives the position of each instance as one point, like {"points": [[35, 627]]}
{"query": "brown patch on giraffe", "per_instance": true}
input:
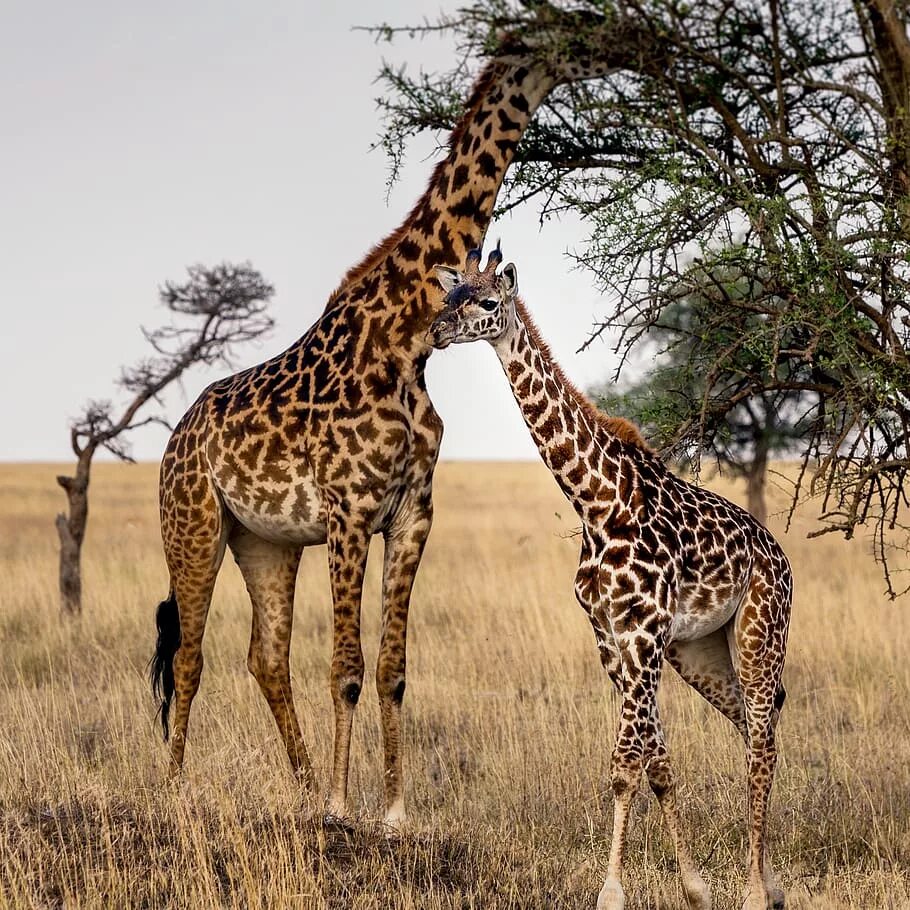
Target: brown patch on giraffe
{"points": [[535, 410], [559, 454], [617, 555]]}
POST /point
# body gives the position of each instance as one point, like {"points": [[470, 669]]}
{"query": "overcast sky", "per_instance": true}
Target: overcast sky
{"points": [[139, 138]]}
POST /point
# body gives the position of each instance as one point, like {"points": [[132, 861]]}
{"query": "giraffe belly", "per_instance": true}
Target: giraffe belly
{"points": [[280, 512], [700, 612]]}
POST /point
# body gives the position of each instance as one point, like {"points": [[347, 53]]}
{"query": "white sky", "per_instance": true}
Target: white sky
{"points": [[139, 138]]}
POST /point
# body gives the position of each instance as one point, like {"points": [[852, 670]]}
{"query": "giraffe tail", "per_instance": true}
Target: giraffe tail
{"points": [[161, 666]]}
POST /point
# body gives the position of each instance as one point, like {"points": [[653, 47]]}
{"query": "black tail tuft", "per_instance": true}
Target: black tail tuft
{"points": [[161, 666]]}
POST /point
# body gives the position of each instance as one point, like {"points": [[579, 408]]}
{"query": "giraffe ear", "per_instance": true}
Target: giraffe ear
{"points": [[447, 277], [509, 277]]}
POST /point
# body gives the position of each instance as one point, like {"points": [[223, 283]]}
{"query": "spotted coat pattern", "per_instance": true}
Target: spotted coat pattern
{"points": [[668, 571], [332, 441]]}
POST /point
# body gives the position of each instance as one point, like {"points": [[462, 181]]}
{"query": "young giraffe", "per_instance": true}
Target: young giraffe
{"points": [[667, 570], [332, 441]]}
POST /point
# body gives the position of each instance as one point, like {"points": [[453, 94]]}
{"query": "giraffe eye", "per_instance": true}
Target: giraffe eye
{"points": [[489, 305]]}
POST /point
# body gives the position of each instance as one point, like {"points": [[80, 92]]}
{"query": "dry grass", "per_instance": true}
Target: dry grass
{"points": [[509, 724]]}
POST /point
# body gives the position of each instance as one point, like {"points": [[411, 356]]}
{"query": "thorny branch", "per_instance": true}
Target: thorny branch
{"points": [[771, 139]]}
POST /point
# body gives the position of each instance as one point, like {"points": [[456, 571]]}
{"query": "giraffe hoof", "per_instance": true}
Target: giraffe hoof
{"points": [[395, 816], [698, 894], [611, 896], [395, 821], [392, 833]]}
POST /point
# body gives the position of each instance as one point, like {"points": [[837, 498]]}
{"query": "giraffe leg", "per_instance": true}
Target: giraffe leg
{"points": [[403, 549], [762, 758], [663, 785], [270, 573], [348, 544], [636, 742], [606, 648], [588, 585], [194, 541], [705, 664], [760, 652]]}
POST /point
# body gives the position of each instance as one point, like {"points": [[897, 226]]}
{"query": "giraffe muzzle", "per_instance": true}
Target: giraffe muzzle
{"points": [[441, 333]]}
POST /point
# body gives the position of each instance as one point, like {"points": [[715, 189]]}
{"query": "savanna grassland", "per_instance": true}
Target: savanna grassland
{"points": [[509, 723]]}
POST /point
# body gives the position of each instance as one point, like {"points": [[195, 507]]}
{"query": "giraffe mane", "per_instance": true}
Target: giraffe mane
{"points": [[479, 90], [623, 429]]}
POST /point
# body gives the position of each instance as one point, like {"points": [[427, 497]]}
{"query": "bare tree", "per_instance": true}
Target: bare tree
{"points": [[226, 306]]}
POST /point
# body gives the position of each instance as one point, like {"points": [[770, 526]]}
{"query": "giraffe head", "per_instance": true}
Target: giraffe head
{"points": [[478, 304]]}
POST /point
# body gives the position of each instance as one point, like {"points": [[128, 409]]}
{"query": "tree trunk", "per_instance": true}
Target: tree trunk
{"points": [[70, 569], [892, 51], [71, 531], [756, 473]]}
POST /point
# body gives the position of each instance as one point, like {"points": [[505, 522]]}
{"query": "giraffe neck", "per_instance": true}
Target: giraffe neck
{"points": [[453, 215], [397, 278], [583, 448]]}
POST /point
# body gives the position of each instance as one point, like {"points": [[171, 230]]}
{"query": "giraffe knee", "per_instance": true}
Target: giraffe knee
{"points": [[625, 773], [762, 742], [623, 782], [393, 692], [391, 686], [661, 778], [347, 678], [764, 758], [350, 692]]}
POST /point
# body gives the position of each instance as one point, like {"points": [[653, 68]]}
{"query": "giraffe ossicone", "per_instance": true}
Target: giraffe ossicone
{"points": [[668, 571]]}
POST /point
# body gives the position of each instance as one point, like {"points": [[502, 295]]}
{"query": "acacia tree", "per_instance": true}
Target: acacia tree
{"points": [[671, 390], [772, 138], [224, 306]]}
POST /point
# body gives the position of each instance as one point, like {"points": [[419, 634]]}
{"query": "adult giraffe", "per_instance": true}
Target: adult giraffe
{"points": [[332, 441], [667, 571]]}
